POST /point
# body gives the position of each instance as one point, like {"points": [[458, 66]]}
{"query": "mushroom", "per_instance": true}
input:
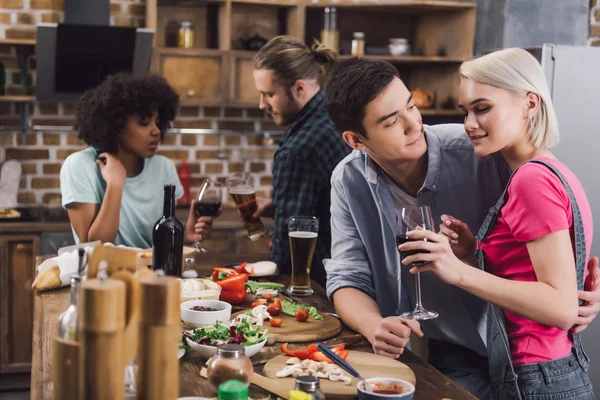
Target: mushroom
{"points": [[313, 366], [346, 379], [293, 360], [321, 375], [333, 377], [306, 363], [287, 371]]}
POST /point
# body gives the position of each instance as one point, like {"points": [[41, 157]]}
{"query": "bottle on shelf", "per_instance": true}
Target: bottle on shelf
{"points": [[358, 44], [167, 238], [186, 35]]}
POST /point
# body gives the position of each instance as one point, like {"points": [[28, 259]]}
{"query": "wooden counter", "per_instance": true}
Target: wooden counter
{"points": [[431, 384]]}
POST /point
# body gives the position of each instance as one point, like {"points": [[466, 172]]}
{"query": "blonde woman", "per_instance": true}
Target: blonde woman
{"points": [[533, 246]]}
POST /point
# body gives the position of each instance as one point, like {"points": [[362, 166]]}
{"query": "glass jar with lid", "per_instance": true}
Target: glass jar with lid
{"points": [[186, 35], [310, 385], [358, 44], [230, 363]]}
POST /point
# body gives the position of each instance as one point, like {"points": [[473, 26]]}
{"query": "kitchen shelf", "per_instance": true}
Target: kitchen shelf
{"points": [[18, 42], [411, 59], [17, 99]]}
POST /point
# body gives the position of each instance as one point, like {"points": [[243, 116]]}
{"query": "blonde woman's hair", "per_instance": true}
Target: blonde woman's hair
{"points": [[518, 71], [292, 60]]}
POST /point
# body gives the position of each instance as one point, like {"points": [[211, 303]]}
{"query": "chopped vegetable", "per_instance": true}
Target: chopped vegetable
{"points": [[234, 283], [223, 273], [290, 308], [301, 315], [258, 302], [254, 286], [242, 268], [276, 322], [302, 354], [242, 332], [266, 297], [274, 309], [233, 297]]}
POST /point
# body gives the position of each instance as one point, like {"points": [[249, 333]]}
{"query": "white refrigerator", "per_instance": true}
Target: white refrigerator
{"points": [[573, 73]]}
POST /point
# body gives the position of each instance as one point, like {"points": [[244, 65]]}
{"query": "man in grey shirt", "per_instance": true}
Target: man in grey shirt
{"points": [[399, 162]]}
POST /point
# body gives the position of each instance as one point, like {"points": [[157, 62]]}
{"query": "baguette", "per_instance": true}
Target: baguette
{"points": [[48, 279]]}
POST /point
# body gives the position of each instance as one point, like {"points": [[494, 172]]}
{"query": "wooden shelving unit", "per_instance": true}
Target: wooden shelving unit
{"points": [[17, 99], [219, 71], [20, 42]]}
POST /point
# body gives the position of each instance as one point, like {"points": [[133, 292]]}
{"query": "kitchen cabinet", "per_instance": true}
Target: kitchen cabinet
{"points": [[17, 271]]}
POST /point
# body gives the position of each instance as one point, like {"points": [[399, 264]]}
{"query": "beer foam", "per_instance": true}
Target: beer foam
{"points": [[241, 191], [303, 235]]}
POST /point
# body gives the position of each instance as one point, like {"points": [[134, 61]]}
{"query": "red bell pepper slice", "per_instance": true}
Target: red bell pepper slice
{"points": [[320, 357], [234, 283], [230, 272], [302, 354], [242, 268]]}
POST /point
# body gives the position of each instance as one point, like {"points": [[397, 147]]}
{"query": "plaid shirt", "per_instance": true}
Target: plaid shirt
{"points": [[309, 151]]}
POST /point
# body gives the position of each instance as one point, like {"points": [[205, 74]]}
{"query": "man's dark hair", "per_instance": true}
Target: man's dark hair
{"points": [[103, 110], [353, 85]]}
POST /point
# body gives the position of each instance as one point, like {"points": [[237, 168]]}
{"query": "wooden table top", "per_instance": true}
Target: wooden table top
{"points": [[431, 384]]}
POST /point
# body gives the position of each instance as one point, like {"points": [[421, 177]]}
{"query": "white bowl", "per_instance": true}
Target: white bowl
{"points": [[386, 383], [204, 318], [399, 49], [209, 351]]}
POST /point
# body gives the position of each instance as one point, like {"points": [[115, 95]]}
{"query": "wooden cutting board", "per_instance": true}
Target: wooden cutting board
{"points": [[367, 364], [292, 331]]}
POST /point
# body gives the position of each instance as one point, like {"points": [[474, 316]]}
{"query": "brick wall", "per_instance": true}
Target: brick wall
{"points": [[44, 152], [594, 23]]}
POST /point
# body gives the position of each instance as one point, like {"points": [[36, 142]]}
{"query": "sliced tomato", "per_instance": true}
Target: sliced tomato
{"points": [[302, 354], [233, 297], [276, 322], [230, 272], [273, 309], [234, 283], [266, 297], [258, 302]]}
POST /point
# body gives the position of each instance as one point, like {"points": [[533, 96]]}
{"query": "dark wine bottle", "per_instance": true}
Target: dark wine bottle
{"points": [[167, 238]]}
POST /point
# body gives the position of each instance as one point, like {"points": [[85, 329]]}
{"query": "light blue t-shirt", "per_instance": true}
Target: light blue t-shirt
{"points": [[142, 199]]}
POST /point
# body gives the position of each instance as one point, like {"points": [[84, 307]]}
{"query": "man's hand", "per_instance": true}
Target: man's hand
{"points": [[590, 296], [391, 335], [265, 209]]}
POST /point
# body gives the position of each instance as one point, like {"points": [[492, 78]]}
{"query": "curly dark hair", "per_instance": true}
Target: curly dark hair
{"points": [[103, 110]]}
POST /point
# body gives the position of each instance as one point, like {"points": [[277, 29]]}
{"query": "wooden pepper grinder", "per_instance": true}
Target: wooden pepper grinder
{"points": [[158, 373], [101, 329]]}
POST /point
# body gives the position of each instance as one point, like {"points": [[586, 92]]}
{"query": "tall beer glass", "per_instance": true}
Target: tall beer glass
{"points": [[302, 233], [241, 189]]}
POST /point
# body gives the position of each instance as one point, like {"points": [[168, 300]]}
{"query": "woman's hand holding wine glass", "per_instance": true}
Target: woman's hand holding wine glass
{"points": [[432, 252]]}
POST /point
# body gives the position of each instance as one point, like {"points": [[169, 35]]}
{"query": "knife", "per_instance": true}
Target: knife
{"points": [[347, 341]]}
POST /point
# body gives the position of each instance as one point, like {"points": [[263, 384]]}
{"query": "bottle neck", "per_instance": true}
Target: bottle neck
{"points": [[169, 205], [74, 290]]}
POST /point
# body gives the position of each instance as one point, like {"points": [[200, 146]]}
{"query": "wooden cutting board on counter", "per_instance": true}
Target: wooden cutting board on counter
{"points": [[292, 331], [367, 364]]}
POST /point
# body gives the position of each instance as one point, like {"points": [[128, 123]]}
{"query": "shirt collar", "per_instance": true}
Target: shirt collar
{"points": [[434, 161]]}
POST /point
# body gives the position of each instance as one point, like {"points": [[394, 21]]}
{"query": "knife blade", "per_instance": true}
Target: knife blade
{"points": [[347, 341]]}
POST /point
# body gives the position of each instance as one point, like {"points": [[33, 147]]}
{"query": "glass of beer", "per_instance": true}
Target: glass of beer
{"points": [[302, 233], [241, 188]]}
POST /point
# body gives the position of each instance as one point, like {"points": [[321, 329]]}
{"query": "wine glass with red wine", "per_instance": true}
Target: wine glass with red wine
{"points": [[208, 202], [409, 219]]}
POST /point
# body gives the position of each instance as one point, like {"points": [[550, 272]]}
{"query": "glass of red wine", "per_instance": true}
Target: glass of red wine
{"points": [[208, 202], [409, 219]]}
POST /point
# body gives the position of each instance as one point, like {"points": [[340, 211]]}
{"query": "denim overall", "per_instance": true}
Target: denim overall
{"points": [[565, 378]]}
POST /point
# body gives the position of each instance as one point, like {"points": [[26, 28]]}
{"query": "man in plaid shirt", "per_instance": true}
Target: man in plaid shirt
{"points": [[287, 74]]}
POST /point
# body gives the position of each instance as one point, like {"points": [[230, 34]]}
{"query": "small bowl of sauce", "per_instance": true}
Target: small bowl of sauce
{"points": [[386, 388]]}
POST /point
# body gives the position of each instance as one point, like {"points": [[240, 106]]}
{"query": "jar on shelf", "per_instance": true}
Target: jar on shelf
{"points": [[186, 35], [230, 363], [358, 44]]}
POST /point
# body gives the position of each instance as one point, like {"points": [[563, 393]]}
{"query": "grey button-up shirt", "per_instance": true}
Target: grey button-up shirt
{"points": [[363, 220]]}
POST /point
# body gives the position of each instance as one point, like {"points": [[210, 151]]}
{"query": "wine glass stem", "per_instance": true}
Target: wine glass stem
{"points": [[418, 283]]}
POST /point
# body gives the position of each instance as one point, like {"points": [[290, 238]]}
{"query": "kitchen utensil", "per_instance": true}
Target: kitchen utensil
{"points": [[293, 331], [344, 365]]}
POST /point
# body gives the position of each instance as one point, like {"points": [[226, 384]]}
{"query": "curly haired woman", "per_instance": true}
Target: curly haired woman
{"points": [[113, 190]]}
